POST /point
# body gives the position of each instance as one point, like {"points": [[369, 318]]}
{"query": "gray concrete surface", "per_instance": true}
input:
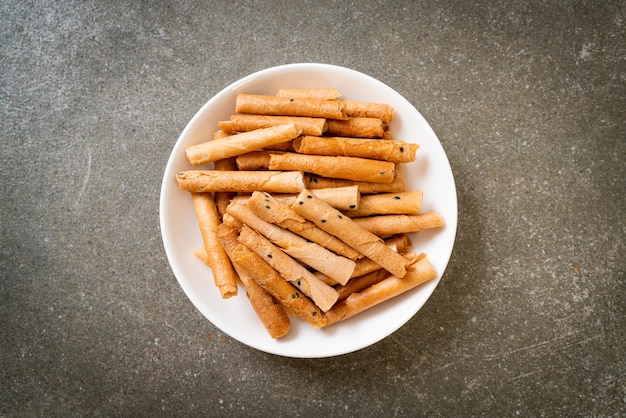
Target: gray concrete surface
{"points": [[528, 99]]}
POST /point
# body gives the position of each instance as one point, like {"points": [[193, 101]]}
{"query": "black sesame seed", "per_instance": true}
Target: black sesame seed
{"points": [[267, 206], [295, 296], [269, 256], [309, 197], [382, 172], [401, 149], [301, 203], [290, 100], [314, 180], [352, 206], [340, 217], [397, 197], [314, 313], [323, 220]]}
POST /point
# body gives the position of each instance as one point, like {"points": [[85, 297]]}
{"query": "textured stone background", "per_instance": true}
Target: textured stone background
{"points": [[528, 99]]}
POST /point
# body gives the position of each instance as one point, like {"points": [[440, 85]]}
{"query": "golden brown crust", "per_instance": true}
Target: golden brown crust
{"points": [[284, 106], [285, 293], [234, 145], [356, 127], [320, 293], [417, 274], [224, 274], [312, 254], [386, 225], [273, 211], [376, 149], [388, 203], [356, 109], [313, 181], [349, 168], [344, 228], [245, 123], [203, 181]]}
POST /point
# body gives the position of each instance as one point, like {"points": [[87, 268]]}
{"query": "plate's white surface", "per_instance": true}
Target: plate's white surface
{"points": [[431, 173]]}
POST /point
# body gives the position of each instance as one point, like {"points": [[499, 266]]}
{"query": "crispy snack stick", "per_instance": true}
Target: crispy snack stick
{"points": [[314, 181], [255, 160], [359, 283], [385, 225], [399, 243], [224, 275], [321, 93], [356, 127], [198, 181], [417, 274], [312, 254], [257, 104], [388, 203], [245, 123], [349, 168], [344, 228], [356, 109], [270, 210], [376, 149], [232, 222], [222, 199], [284, 292], [342, 198], [234, 145], [271, 313], [320, 293]]}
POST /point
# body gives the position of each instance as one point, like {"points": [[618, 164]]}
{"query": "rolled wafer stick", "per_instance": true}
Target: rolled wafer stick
{"points": [[399, 243], [270, 210], [356, 127], [222, 199], [284, 106], [313, 181], [356, 109], [359, 283], [219, 134], [344, 228], [312, 254], [388, 203], [224, 275], [255, 160], [245, 123], [201, 181], [350, 168], [342, 198], [234, 145], [376, 149], [348, 197], [385, 225], [418, 273], [284, 292], [323, 295], [321, 93], [271, 313], [232, 222]]}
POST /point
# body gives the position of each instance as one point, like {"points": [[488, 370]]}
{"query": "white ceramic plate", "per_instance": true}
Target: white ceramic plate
{"points": [[431, 173]]}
